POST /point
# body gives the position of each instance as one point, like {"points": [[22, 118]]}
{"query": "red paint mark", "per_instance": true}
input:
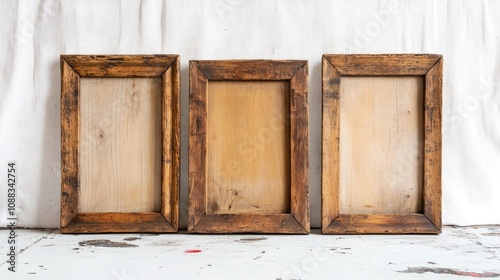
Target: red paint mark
{"points": [[192, 251]]}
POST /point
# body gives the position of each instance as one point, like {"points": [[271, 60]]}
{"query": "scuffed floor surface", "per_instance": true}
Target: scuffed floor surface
{"points": [[458, 253]]}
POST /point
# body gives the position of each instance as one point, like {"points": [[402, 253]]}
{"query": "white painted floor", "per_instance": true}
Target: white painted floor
{"points": [[47, 254]]}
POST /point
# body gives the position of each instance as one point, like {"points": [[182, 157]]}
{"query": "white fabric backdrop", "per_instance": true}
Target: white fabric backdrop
{"points": [[34, 33]]}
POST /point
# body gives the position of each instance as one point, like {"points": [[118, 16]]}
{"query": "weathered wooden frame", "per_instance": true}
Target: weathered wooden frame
{"points": [[74, 67], [334, 67], [201, 73]]}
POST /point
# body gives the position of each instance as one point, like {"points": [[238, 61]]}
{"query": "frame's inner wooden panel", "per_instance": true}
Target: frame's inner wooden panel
{"points": [[381, 156], [120, 145], [248, 139]]}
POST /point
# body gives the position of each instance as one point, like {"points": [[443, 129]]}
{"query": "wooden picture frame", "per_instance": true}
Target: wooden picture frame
{"points": [[218, 108], [426, 70], [108, 102]]}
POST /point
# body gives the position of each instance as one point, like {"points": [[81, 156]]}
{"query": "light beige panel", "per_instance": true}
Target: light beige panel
{"points": [[248, 141], [381, 138], [120, 144]]}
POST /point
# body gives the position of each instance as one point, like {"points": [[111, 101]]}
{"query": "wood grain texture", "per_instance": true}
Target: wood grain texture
{"points": [[70, 97], [330, 172], [120, 65], [249, 69], [336, 66], [299, 146], [382, 65], [248, 147], [249, 223], [381, 125], [202, 74], [432, 146], [171, 145], [166, 117], [197, 145], [120, 146], [381, 224], [119, 223]]}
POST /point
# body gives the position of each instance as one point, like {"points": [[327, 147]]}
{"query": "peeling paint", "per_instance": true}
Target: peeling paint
{"points": [[105, 243], [251, 239], [491, 234], [131, 238], [439, 270]]}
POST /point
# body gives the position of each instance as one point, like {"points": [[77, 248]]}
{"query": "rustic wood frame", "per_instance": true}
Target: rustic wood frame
{"points": [[334, 67], [201, 73], [74, 67]]}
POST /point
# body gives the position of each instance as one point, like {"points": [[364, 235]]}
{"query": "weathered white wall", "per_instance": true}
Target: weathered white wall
{"points": [[34, 33]]}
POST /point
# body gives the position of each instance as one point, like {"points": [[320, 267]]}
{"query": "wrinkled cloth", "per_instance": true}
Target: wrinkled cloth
{"points": [[34, 33]]}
